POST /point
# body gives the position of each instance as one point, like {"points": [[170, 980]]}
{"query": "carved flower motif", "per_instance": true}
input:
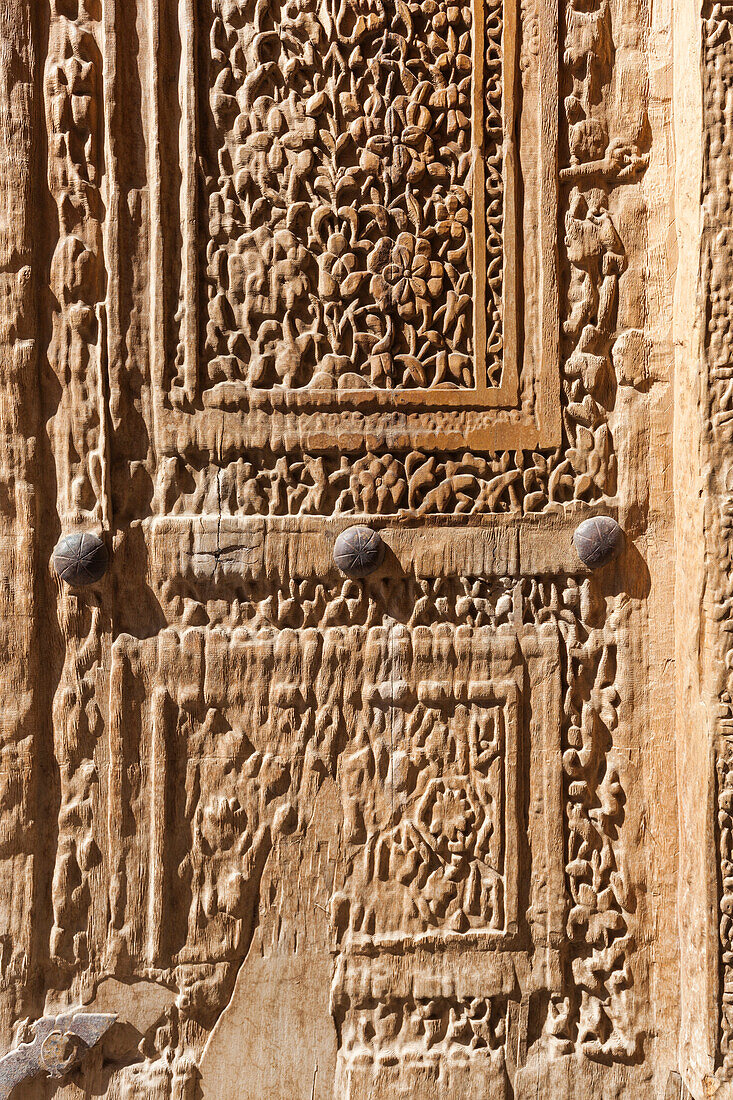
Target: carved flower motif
{"points": [[406, 151], [441, 17], [453, 214], [338, 277], [454, 106], [452, 818], [404, 278], [449, 40], [263, 155], [378, 484]]}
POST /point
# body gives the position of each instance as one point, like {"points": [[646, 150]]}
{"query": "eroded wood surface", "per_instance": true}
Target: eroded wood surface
{"points": [[272, 269]]}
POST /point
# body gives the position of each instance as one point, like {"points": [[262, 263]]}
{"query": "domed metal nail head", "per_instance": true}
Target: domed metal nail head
{"points": [[598, 541], [358, 551], [80, 559]]}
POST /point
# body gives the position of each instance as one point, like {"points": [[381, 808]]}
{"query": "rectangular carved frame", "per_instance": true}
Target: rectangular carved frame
{"points": [[523, 411]]}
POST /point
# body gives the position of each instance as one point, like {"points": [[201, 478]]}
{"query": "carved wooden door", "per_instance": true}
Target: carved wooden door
{"points": [[445, 821]]}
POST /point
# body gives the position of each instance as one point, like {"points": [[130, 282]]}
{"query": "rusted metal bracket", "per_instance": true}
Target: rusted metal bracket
{"points": [[59, 1043]]}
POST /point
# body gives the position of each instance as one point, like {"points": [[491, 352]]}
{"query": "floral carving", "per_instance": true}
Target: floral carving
{"points": [[392, 483], [73, 83], [450, 816], [340, 171], [404, 278], [595, 255], [344, 136], [596, 1014], [436, 827]]}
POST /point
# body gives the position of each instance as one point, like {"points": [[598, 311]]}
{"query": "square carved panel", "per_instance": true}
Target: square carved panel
{"points": [[440, 740]]}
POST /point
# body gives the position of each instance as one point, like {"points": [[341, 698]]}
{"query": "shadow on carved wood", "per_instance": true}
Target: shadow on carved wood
{"points": [[302, 824]]}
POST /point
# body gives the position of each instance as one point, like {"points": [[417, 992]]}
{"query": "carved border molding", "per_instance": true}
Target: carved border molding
{"points": [[717, 260], [403, 137]]}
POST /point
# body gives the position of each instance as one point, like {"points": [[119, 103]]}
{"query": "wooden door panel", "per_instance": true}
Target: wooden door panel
{"points": [[298, 266]]}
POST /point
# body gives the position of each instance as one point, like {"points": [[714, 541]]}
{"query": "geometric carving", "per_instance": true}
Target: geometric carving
{"points": [[438, 825], [441, 828], [431, 844]]}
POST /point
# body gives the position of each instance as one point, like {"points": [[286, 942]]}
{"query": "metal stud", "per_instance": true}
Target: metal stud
{"points": [[598, 541], [358, 551], [80, 559]]}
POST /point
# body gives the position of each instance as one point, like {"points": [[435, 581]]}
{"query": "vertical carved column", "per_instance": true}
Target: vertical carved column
{"points": [[704, 441], [74, 116], [77, 355], [716, 257], [21, 676]]}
